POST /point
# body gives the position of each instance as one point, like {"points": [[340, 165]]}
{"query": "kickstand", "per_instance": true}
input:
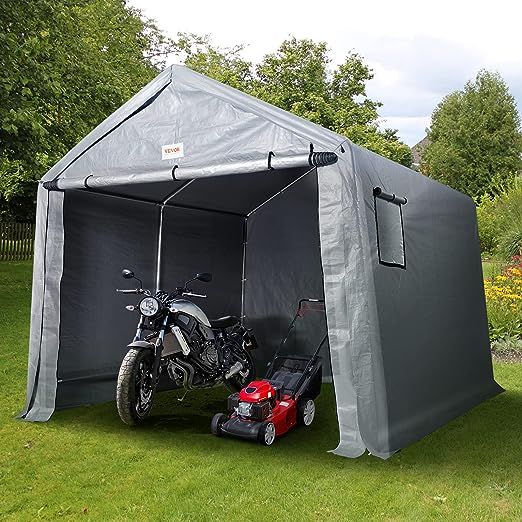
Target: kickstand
{"points": [[184, 395]]}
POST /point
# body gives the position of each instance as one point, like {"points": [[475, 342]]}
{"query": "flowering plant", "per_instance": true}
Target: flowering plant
{"points": [[504, 302]]}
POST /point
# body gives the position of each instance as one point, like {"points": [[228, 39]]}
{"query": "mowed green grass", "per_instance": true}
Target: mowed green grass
{"points": [[84, 464]]}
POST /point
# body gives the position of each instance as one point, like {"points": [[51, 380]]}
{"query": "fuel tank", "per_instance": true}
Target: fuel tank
{"points": [[257, 391], [188, 307]]}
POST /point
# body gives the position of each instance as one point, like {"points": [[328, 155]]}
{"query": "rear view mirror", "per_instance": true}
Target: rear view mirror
{"points": [[127, 274], [205, 277]]}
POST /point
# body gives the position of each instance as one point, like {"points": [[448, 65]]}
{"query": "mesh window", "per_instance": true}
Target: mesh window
{"points": [[390, 233]]}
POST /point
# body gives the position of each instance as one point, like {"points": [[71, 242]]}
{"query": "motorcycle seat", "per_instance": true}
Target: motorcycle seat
{"points": [[225, 322]]}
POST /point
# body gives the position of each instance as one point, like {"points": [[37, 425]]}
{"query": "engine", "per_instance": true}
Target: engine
{"points": [[255, 401], [209, 354]]}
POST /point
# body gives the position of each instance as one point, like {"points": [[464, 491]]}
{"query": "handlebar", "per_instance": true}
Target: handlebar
{"points": [[165, 295]]}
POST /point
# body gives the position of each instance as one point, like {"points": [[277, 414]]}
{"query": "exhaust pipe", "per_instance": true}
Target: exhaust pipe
{"points": [[235, 368]]}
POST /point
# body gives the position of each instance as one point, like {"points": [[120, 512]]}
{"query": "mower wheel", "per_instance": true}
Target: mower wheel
{"points": [[217, 422], [267, 433], [306, 411]]}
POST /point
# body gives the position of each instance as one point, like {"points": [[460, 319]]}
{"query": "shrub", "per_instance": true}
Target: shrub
{"points": [[504, 302], [488, 224], [500, 221]]}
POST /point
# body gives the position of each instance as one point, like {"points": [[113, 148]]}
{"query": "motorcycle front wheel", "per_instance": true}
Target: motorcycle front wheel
{"points": [[136, 386]]}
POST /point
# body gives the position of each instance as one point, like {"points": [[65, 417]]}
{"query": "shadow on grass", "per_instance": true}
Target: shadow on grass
{"points": [[490, 432]]}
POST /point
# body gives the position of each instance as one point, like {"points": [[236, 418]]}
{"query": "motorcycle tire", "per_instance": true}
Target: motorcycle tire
{"points": [[135, 389]]}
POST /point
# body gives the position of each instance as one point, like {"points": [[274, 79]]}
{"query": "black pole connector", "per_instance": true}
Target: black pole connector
{"points": [[51, 185], [322, 159], [270, 156], [86, 181], [392, 198]]}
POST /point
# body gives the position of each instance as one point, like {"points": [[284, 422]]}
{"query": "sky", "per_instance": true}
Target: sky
{"points": [[419, 51]]}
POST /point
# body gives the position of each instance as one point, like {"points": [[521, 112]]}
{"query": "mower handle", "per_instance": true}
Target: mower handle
{"points": [[310, 300]]}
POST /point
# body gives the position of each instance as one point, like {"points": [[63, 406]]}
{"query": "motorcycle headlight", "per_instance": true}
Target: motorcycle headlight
{"points": [[149, 306]]}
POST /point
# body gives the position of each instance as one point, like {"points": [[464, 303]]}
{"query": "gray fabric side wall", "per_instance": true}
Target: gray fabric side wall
{"points": [[431, 315], [106, 233], [103, 234], [283, 265], [197, 240], [45, 308]]}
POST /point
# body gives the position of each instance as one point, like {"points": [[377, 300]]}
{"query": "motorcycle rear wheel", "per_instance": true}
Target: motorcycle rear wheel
{"points": [[135, 389]]}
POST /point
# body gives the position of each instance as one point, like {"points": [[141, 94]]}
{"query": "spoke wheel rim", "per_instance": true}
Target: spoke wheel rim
{"points": [[308, 412], [269, 433]]}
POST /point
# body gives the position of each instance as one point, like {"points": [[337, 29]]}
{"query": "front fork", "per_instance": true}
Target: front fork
{"points": [[158, 345], [158, 348]]}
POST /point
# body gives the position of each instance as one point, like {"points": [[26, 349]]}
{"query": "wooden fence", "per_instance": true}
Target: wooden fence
{"points": [[16, 241]]}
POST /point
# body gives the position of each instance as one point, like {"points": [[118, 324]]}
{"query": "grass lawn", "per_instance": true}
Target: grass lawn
{"points": [[85, 463]]}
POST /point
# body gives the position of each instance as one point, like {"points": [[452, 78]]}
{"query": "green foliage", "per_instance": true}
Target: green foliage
{"points": [[295, 79], [475, 141], [500, 221], [224, 65], [298, 78], [507, 347], [65, 66]]}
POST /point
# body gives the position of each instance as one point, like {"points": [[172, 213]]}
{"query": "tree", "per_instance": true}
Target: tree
{"points": [[65, 66], [224, 65], [298, 78], [475, 141]]}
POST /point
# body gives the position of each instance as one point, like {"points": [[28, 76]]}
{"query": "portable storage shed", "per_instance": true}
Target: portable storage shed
{"points": [[193, 175]]}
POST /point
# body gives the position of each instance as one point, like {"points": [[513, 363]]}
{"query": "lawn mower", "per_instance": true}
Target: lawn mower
{"points": [[270, 407]]}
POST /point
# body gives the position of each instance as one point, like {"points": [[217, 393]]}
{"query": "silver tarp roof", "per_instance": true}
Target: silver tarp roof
{"points": [[174, 182]]}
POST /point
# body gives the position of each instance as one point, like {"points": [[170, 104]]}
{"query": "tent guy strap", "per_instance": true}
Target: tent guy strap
{"points": [[273, 162]]}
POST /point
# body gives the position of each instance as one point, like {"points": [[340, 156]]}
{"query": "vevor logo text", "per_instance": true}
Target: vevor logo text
{"points": [[171, 151]]}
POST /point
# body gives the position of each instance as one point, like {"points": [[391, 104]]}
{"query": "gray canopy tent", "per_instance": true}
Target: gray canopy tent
{"points": [[192, 175]]}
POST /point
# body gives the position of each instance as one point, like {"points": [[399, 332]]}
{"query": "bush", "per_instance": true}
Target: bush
{"points": [[504, 303], [488, 225], [500, 222]]}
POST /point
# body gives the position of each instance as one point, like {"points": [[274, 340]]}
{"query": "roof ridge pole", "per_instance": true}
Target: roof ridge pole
{"points": [[314, 159]]}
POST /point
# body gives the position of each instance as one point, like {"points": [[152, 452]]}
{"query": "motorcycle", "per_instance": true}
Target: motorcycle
{"points": [[183, 344]]}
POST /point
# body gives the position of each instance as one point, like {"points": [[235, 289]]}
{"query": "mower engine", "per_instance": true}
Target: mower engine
{"points": [[254, 402]]}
